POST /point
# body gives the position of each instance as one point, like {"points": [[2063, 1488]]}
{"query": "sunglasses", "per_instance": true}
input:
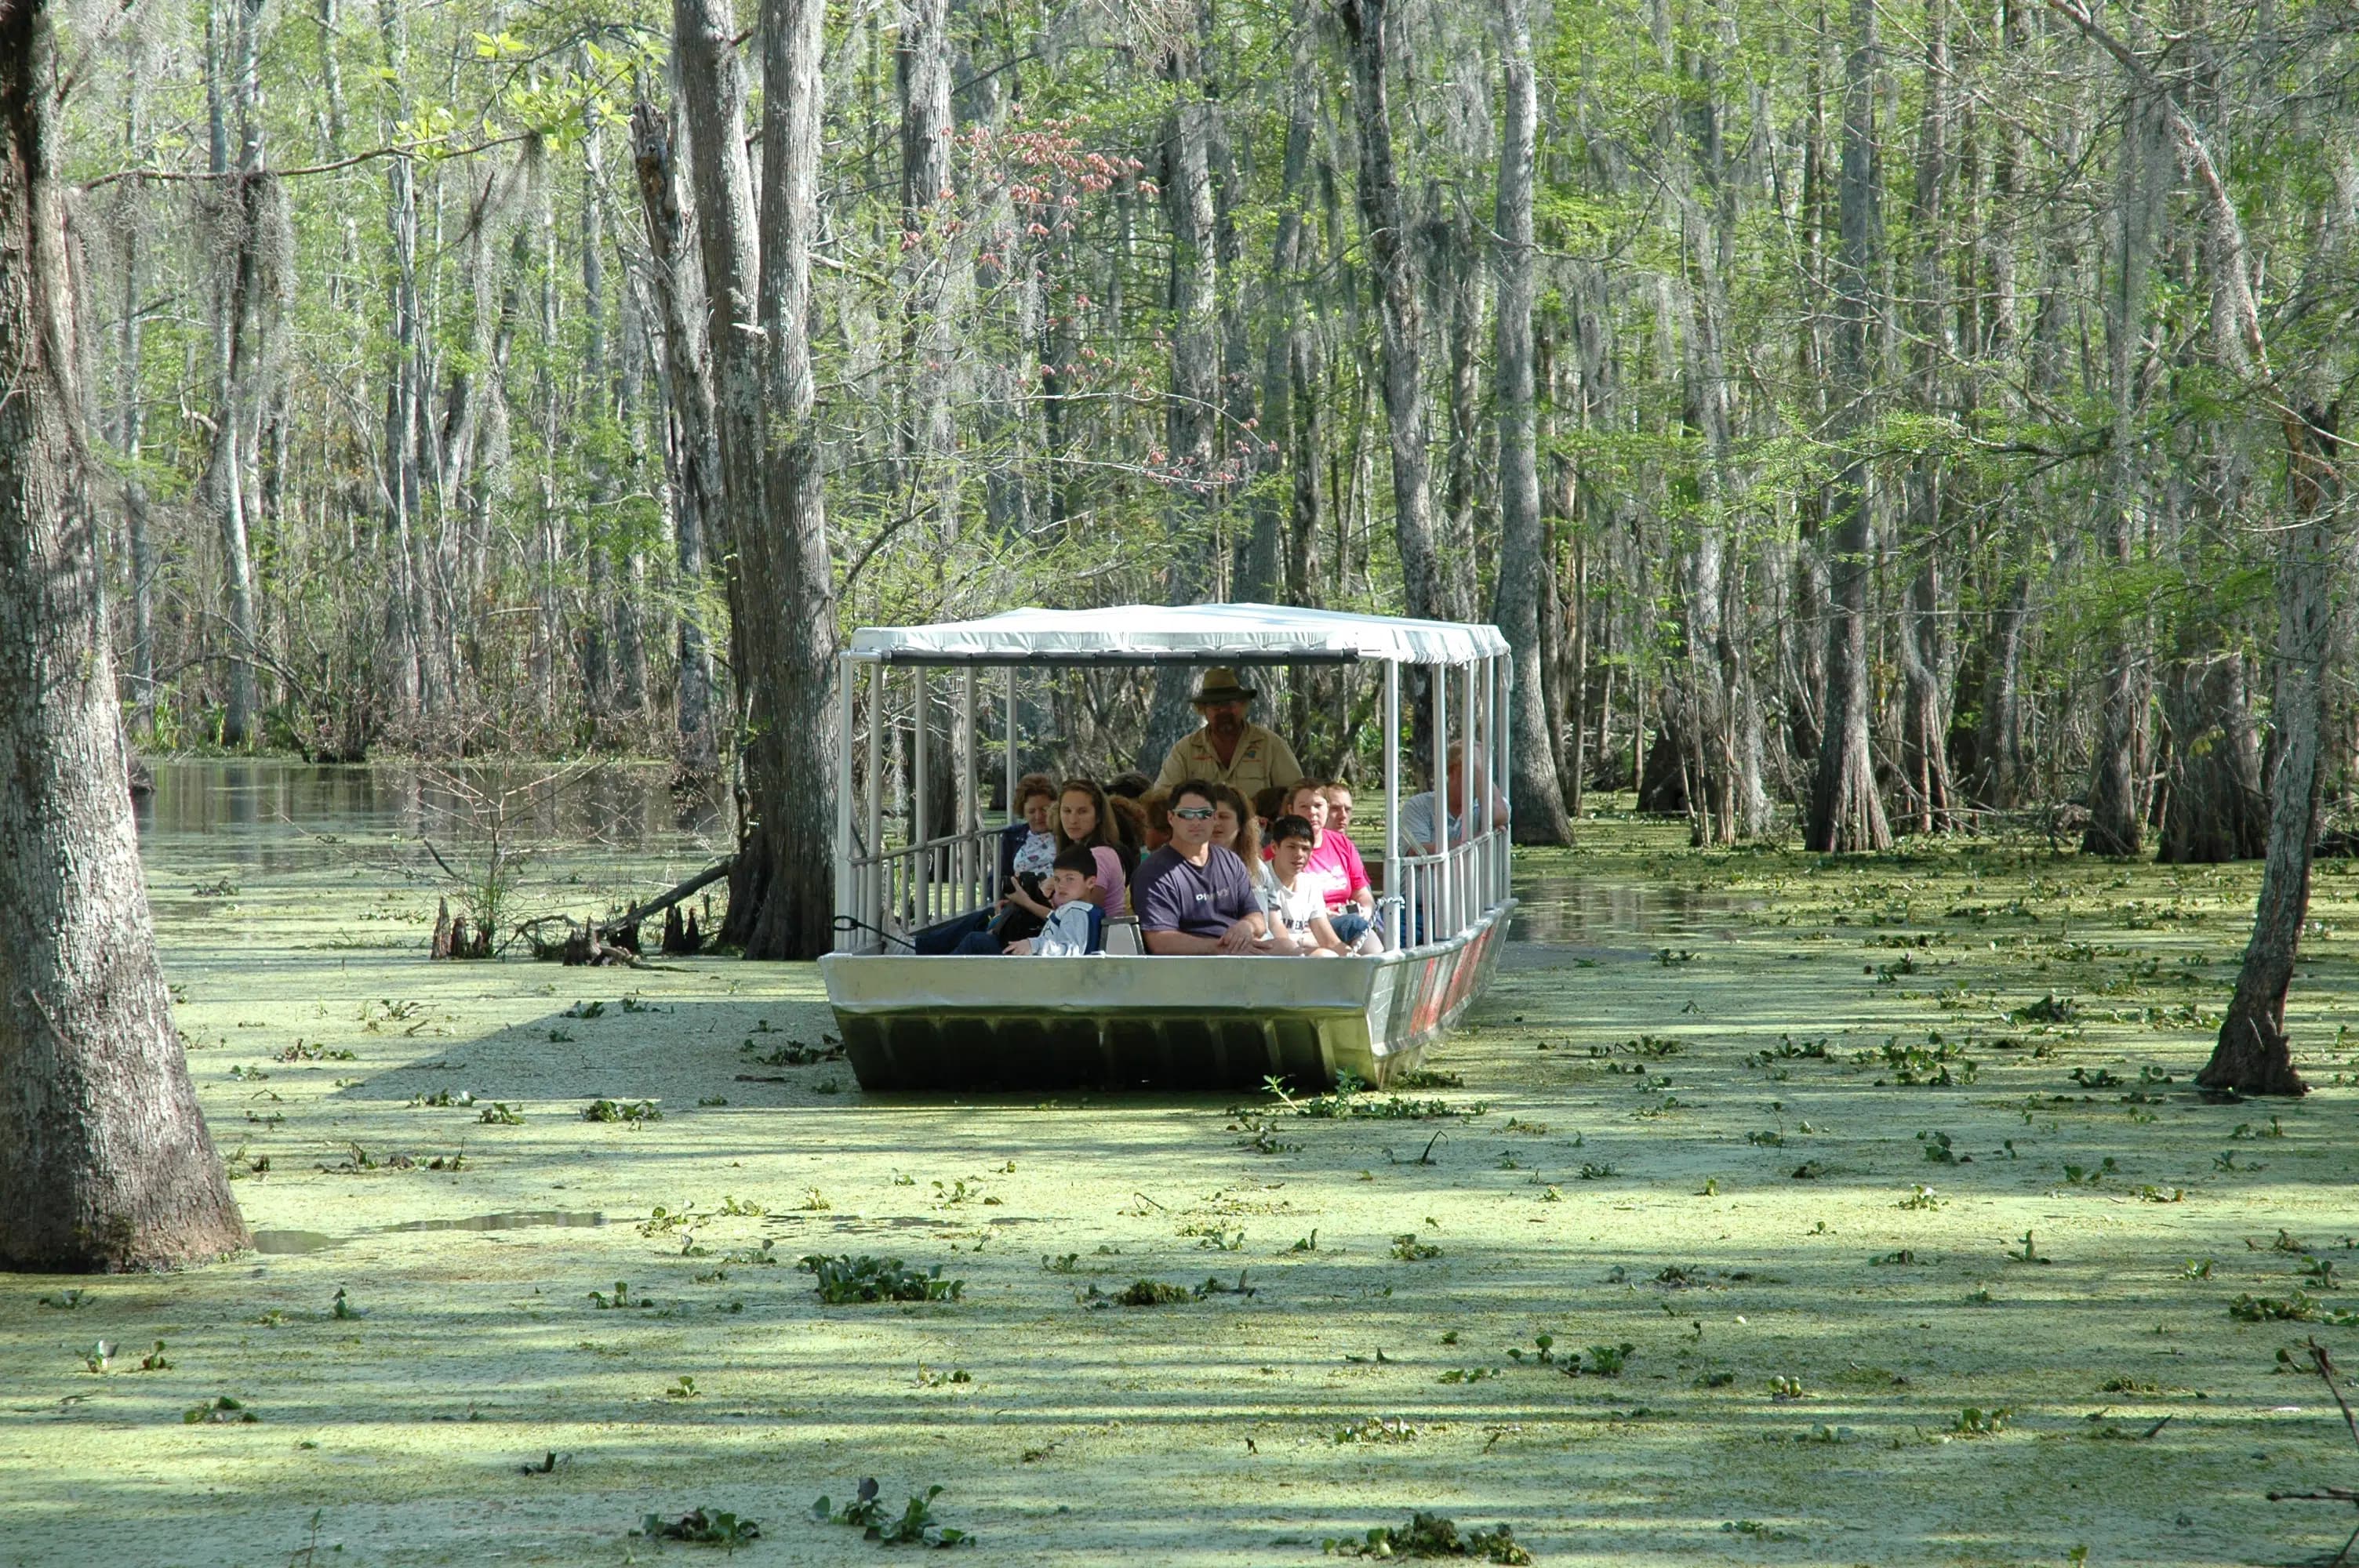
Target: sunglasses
{"points": [[1193, 813]]}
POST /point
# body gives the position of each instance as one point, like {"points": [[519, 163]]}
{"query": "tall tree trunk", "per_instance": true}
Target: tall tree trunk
{"points": [[237, 307], [2216, 809], [1277, 564], [2000, 778], [921, 57], [790, 772], [598, 402], [1926, 664], [131, 409], [2003, 776], [1424, 590], [712, 88], [1191, 410], [1539, 816], [1845, 813], [695, 460], [405, 608], [2254, 1053], [1720, 728], [2117, 769], [104, 1160], [1459, 272]]}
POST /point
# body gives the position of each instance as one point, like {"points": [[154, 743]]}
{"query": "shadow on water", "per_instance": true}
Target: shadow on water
{"points": [[269, 814], [290, 1243], [1576, 909]]}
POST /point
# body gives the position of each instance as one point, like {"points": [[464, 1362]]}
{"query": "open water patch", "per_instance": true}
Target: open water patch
{"points": [[509, 1219], [294, 1243]]}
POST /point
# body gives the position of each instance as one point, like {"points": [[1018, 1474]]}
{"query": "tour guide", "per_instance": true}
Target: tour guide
{"points": [[1228, 750]]}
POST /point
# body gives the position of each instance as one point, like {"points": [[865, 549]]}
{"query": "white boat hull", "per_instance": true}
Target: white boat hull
{"points": [[1106, 1023]]}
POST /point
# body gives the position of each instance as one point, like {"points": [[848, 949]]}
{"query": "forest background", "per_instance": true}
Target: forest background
{"points": [[1901, 412]]}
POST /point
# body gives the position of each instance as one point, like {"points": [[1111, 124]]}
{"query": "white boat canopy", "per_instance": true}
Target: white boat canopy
{"points": [[1192, 633]]}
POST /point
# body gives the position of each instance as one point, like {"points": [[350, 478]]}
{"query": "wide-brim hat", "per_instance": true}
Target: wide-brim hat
{"points": [[1220, 684]]}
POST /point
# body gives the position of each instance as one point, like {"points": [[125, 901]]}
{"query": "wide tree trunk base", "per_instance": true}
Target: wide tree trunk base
{"points": [[2253, 1057]]}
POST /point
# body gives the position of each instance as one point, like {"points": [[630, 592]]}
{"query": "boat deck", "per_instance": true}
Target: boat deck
{"points": [[1109, 1023]]}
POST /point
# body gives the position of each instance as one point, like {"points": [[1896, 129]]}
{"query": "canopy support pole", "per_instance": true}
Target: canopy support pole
{"points": [[1501, 704], [970, 745], [1013, 770], [1396, 889], [872, 906], [920, 828], [846, 895], [1440, 922]]}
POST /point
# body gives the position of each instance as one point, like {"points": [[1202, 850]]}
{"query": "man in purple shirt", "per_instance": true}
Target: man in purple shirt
{"points": [[1192, 895]]}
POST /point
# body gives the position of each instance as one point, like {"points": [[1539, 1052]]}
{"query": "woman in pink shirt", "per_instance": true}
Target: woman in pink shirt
{"points": [[1334, 867], [1083, 817]]}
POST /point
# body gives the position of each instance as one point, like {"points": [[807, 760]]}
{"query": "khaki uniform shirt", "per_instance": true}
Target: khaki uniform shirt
{"points": [[1261, 759]]}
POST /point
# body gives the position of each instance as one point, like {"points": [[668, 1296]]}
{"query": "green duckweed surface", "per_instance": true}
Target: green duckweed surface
{"points": [[1778, 1125]]}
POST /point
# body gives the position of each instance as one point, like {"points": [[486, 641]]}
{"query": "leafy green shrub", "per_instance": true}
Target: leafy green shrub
{"points": [[222, 1412], [1430, 1535], [916, 1527], [702, 1527], [846, 1281], [2299, 1307], [1604, 1360]]}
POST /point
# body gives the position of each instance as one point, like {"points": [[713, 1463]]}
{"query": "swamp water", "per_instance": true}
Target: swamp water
{"points": [[1778, 1128]]}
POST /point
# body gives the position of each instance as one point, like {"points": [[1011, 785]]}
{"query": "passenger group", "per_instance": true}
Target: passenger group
{"points": [[1229, 848]]}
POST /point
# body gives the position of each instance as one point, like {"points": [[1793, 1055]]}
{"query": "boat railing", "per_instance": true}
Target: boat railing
{"points": [[910, 887], [1444, 893]]}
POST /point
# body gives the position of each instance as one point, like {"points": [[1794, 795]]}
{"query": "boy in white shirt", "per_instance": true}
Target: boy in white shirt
{"points": [[1295, 905]]}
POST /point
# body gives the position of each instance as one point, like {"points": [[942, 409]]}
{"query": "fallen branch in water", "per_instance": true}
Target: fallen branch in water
{"points": [[2323, 1365]]}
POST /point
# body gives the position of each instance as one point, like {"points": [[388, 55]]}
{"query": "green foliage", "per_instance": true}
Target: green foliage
{"points": [[793, 1053], [1157, 1293], [2049, 1009], [1347, 1102], [702, 1527], [221, 1411], [621, 1298], [915, 1525], [2299, 1307], [846, 1281], [629, 1110], [1603, 1361], [1432, 1535]]}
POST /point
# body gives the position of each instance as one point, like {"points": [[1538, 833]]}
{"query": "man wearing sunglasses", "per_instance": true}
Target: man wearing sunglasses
{"points": [[1192, 895]]}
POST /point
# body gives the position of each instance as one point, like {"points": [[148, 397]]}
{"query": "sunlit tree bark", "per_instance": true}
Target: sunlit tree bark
{"points": [[104, 1159]]}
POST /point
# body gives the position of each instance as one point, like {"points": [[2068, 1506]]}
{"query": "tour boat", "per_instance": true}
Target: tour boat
{"points": [[1126, 1019]]}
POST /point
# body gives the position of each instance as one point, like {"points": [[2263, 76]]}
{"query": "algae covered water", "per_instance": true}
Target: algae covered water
{"points": [[1772, 1210]]}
